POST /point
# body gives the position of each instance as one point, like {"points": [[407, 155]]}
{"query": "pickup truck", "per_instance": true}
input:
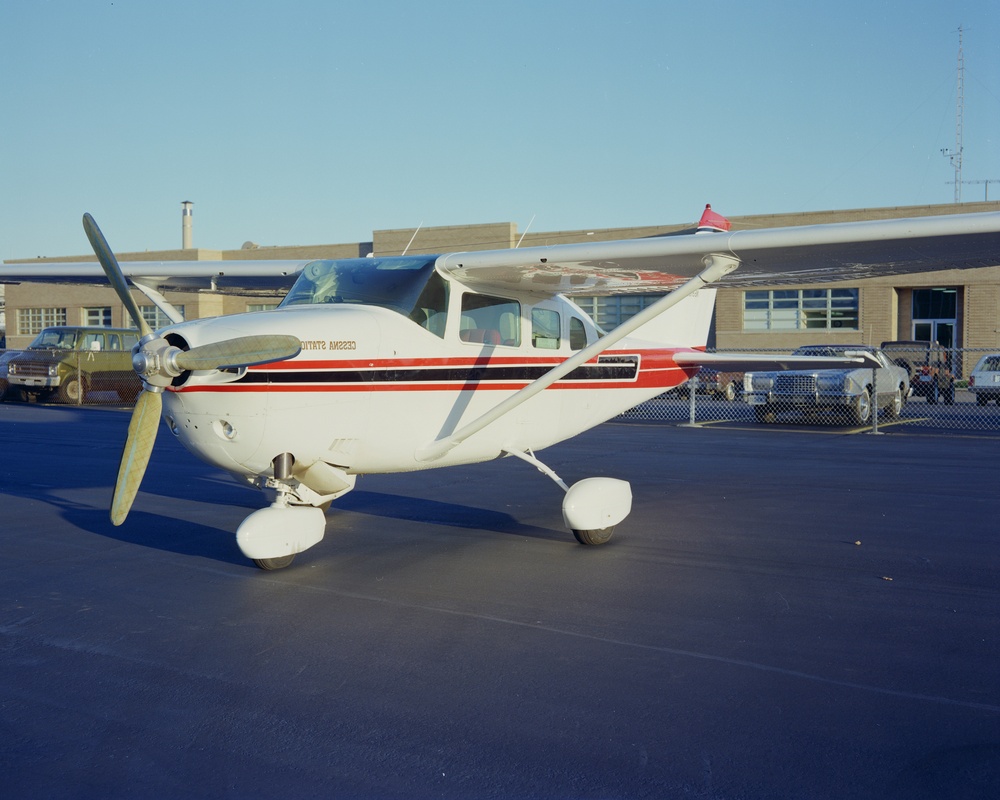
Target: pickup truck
{"points": [[929, 366], [853, 392]]}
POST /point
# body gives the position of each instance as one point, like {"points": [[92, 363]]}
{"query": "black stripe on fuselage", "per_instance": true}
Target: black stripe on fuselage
{"points": [[613, 369]]}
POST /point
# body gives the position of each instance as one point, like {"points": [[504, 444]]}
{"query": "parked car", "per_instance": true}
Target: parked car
{"points": [[6, 393], [715, 383], [984, 381], [932, 374], [67, 362], [850, 390]]}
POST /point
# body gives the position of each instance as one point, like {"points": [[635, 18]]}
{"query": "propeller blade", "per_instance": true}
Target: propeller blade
{"points": [[139, 444], [244, 351], [115, 275]]}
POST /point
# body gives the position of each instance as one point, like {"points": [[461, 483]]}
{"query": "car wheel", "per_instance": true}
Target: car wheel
{"points": [[764, 414], [895, 408], [71, 390], [861, 408], [730, 391]]}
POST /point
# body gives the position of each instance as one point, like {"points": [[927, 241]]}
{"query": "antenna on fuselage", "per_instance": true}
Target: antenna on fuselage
{"points": [[412, 238], [525, 231]]}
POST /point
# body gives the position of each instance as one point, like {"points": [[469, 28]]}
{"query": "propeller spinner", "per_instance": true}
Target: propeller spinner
{"points": [[158, 362]]}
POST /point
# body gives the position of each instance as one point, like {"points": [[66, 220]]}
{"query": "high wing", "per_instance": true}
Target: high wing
{"points": [[165, 275], [804, 254]]}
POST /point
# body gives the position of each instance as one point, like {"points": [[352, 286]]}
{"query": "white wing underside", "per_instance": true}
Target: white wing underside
{"points": [[795, 255]]}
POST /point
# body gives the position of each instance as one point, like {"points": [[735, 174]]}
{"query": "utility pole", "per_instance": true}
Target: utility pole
{"points": [[956, 154]]}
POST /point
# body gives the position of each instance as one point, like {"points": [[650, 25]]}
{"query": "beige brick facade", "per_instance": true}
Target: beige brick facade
{"points": [[884, 303]]}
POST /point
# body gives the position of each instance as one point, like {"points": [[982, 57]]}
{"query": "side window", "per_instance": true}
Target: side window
{"points": [[490, 320], [545, 328], [92, 342], [131, 339], [114, 342], [577, 334]]}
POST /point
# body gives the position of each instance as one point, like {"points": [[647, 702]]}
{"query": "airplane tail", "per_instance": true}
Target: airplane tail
{"points": [[711, 222], [686, 324]]}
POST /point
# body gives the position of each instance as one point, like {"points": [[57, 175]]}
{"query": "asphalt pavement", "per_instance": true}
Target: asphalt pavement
{"points": [[786, 614]]}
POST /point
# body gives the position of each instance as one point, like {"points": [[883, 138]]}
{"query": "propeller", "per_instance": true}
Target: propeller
{"points": [[158, 362]]}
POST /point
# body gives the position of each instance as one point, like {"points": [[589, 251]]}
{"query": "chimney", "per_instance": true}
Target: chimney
{"points": [[186, 224]]}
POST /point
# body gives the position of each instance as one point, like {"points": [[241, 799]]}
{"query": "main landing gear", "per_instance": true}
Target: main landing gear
{"points": [[295, 520], [592, 507]]}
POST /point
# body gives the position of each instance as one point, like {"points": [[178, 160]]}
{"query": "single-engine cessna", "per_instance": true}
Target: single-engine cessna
{"points": [[392, 364]]}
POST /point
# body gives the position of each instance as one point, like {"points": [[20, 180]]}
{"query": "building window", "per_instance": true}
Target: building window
{"points": [[97, 317], [261, 306], [800, 309], [31, 320], [155, 318], [611, 311]]}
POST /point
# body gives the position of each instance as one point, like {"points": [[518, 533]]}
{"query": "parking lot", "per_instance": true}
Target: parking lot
{"points": [[787, 613]]}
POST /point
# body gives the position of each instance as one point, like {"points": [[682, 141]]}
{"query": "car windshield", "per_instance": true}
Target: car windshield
{"points": [[395, 283], [54, 340], [989, 364]]}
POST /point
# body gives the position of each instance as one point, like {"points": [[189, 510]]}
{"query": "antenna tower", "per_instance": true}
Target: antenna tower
{"points": [[956, 155]]}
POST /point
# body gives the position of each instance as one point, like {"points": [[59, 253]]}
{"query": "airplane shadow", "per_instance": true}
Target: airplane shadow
{"points": [[160, 533], [190, 538], [435, 512]]}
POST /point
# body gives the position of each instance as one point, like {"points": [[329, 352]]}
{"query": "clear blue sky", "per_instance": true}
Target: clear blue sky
{"points": [[308, 122]]}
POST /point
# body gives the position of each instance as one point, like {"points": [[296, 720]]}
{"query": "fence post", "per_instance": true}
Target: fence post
{"points": [[692, 392], [875, 431]]}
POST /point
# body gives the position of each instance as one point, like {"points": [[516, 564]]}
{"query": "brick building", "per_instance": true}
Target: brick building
{"points": [[958, 308]]}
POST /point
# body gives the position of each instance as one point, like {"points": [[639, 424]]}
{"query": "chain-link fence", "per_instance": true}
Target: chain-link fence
{"points": [[936, 395], [959, 391], [68, 376]]}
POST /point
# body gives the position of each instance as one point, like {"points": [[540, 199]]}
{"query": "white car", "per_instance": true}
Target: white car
{"points": [[856, 391], [984, 381]]}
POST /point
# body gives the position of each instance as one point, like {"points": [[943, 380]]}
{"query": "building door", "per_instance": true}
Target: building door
{"points": [[935, 330], [935, 319], [935, 316]]}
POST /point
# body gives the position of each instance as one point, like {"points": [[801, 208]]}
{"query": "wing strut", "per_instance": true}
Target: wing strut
{"points": [[716, 267]]}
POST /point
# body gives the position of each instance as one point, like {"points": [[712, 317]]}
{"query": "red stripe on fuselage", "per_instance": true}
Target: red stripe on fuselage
{"points": [[657, 369]]}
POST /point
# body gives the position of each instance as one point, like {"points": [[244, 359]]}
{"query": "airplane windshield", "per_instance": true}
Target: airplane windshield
{"points": [[395, 283]]}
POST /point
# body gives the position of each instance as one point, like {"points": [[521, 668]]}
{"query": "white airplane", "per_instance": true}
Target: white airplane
{"points": [[404, 363]]}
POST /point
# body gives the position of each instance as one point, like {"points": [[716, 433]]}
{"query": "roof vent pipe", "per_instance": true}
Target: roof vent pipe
{"points": [[186, 224]]}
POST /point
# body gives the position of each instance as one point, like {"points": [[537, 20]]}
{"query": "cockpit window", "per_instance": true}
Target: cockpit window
{"points": [[396, 283], [431, 310]]}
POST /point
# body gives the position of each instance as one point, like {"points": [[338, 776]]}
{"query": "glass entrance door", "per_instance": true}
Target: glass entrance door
{"points": [[941, 331], [935, 315]]}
